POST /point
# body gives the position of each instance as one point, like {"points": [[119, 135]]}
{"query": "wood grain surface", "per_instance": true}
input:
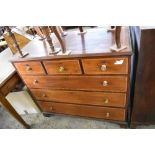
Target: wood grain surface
{"points": [[84, 110], [81, 97]]}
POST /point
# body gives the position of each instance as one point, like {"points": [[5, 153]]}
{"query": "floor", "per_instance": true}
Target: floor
{"points": [[38, 121]]}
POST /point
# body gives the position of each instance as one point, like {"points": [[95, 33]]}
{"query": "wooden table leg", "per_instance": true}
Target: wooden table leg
{"points": [[12, 111]]}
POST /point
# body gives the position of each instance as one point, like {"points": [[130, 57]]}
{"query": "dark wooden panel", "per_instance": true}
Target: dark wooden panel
{"points": [[90, 83], [115, 65], [81, 97], [28, 68], [10, 84], [144, 96], [62, 67], [83, 110]]}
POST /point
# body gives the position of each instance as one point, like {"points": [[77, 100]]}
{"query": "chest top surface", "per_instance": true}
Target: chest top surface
{"points": [[96, 42]]}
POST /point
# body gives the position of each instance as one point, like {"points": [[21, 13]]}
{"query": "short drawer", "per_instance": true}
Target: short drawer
{"points": [[34, 68], [90, 83], [62, 67], [84, 110], [105, 66], [81, 97]]}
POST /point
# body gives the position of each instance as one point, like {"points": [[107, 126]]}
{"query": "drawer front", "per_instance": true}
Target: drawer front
{"points": [[105, 66], [30, 68], [84, 110], [81, 97], [90, 83], [62, 67]]}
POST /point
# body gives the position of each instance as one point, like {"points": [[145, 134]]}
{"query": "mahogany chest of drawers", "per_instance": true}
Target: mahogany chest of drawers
{"points": [[92, 81]]}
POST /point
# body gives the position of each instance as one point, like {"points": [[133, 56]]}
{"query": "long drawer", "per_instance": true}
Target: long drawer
{"points": [[90, 83], [81, 97], [84, 110], [118, 65]]}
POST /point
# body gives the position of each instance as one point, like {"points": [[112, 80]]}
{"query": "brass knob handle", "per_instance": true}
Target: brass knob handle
{"points": [[106, 100], [28, 68], [105, 83], [44, 95], [35, 81], [61, 69], [107, 114], [103, 67], [51, 108]]}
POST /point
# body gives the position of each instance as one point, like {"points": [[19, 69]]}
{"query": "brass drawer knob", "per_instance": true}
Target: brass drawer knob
{"points": [[106, 100], [107, 114], [51, 108], [103, 67], [28, 68], [44, 95], [61, 69], [35, 81], [105, 83]]}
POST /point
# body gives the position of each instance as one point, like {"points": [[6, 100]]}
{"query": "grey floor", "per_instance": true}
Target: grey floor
{"points": [[38, 121]]}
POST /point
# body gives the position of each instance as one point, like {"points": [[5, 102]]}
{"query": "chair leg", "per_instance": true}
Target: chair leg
{"points": [[62, 44], [61, 31], [117, 46], [39, 32], [81, 30], [46, 32], [118, 36], [111, 29]]}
